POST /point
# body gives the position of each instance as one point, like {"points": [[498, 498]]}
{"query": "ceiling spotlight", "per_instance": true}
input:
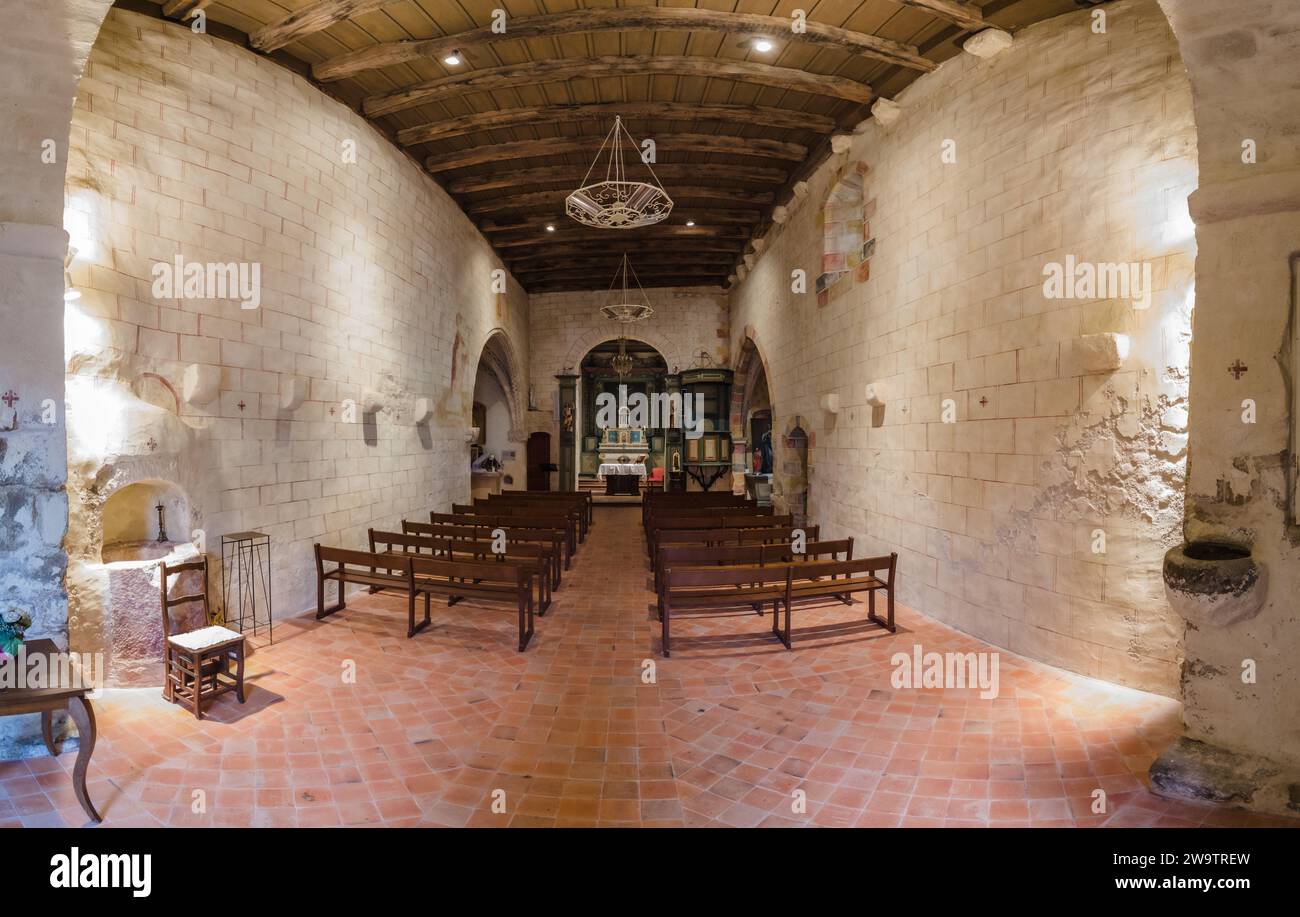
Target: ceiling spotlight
{"points": [[452, 59], [761, 45], [550, 227], [690, 222]]}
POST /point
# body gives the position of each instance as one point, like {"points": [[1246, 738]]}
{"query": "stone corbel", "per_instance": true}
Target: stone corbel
{"points": [[293, 392], [200, 384], [876, 394], [421, 410], [1103, 353]]}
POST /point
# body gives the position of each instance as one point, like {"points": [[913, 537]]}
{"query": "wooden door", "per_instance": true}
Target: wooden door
{"points": [[539, 456]]}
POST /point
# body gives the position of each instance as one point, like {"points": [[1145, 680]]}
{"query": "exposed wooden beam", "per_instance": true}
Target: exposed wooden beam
{"points": [[572, 175], [309, 20], [727, 250], [597, 20], [601, 280], [533, 238], [966, 15], [551, 71], [665, 144], [776, 118], [184, 9], [556, 199]]}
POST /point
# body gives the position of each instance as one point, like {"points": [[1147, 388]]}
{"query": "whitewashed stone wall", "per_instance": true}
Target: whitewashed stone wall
{"points": [[564, 326], [1070, 143], [373, 281]]}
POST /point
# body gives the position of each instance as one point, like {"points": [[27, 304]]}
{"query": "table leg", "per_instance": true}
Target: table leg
{"points": [[84, 716], [47, 731]]}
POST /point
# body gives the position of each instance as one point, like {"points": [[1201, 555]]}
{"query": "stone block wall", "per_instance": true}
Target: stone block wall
{"points": [[374, 288], [1005, 446]]}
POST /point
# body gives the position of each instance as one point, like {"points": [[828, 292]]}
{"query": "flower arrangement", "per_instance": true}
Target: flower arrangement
{"points": [[13, 624]]}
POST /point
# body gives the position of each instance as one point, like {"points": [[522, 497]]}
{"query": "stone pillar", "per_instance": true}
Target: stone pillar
{"points": [[1240, 692], [43, 50], [568, 403]]}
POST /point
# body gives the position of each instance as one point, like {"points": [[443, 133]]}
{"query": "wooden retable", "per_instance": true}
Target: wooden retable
{"points": [[46, 701]]}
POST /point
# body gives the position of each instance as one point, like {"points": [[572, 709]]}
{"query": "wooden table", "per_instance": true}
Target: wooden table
{"points": [[47, 700]]}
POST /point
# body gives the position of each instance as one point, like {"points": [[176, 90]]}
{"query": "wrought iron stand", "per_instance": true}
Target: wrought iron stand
{"points": [[246, 573]]}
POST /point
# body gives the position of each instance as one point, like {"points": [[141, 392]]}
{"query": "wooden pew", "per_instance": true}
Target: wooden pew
{"points": [[550, 541], [521, 515], [684, 524], [761, 555], [511, 527], [582, 497], [528, 556], [652, 500], [499, 503], [696, 587], [366, 569], [418, 575]]}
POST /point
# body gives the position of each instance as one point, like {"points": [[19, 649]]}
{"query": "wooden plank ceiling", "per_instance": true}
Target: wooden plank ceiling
{"points": [[512, 128]]}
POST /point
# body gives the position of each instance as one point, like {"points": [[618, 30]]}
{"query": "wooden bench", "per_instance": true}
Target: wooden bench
{"points": [[582, 498], [653, 500], [549, 541], [710, 525], [781, 584], [716, 537], [512, 527], [761, 555], [572, 510], [531, 557], [416, 575], [515, 515]]}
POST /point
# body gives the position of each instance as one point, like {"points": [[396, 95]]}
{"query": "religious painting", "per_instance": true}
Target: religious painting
{"points": [[692, 450]]}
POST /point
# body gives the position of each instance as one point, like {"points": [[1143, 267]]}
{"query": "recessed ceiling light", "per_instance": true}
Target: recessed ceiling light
{"points": [[762, 45], [690, 222], [452, 59], [550, 227]]}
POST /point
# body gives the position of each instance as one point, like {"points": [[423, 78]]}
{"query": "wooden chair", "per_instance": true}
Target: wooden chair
{"points": [[202, 663]]}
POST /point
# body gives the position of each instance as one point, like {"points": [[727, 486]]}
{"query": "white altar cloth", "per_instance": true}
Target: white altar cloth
{"points": [[620, 468]]}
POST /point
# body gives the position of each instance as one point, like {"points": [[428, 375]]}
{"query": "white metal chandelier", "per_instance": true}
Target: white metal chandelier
{"points": [[624, 310], [617, 202]]}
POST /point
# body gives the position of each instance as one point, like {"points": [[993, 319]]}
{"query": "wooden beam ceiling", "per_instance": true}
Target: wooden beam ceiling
{"points": [[774, 118], [512, 76], [480, 127], [665, 144], [653, 18], [573, 175]]}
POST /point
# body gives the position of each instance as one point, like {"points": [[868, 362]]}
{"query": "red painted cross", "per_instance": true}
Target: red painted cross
{"points": [[241, 404], [9, 398], [1238, 369]]}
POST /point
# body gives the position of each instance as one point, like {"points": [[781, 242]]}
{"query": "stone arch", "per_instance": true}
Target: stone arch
{"points": [[497, 355], [580, 348], [750, 365]]}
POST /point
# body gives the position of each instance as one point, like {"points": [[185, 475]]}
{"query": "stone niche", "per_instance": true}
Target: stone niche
{"points": [[128, 575]]}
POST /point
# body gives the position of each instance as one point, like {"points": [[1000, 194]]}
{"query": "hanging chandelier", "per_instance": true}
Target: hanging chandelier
{"points": [[617, 202], [625, 309]]}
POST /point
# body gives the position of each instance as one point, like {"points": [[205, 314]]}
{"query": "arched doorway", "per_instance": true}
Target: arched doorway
{"points": [[611, 428], [751, 426], [794, 475], [497, 458]]}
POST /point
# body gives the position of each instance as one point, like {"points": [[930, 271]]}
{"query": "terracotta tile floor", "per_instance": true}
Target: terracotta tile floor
{"points": [[433, 729]]}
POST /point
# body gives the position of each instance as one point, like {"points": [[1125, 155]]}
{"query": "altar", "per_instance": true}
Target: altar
{"points": [[622, 478]]}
